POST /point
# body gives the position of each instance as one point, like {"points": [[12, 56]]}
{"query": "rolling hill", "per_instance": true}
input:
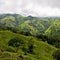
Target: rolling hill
{"points": [[28, 38], [42, 50]]}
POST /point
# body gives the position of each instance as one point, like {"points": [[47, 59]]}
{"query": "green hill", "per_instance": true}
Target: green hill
{"points": [[41, 50], [33, 25], [54, 29], [29, 38]]}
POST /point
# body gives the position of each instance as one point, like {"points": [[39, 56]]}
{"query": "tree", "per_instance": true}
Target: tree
{"points": [[43, 37], [15, 42], [31, 46]]}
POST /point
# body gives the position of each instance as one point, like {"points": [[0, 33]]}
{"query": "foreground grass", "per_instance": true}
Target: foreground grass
{"points": [[42, 50]]}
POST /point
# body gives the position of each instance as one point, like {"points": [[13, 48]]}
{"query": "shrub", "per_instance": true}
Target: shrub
{"points": [[15, 42], [56, 54]]}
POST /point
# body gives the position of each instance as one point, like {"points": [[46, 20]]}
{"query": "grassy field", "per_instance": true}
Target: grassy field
{"points": [[41, 51]]}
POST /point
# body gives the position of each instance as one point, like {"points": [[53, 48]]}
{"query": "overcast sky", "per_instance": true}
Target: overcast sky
{"points": [[31, 7]]}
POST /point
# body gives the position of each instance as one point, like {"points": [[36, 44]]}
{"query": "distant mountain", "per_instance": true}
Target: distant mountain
{"points": [[34, 25]]}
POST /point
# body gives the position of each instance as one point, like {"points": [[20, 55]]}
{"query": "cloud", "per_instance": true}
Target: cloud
{"points": [[50, 3], [31, 7]]}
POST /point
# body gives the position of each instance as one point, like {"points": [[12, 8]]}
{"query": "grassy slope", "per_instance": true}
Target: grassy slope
{"points": [[43, 51]]}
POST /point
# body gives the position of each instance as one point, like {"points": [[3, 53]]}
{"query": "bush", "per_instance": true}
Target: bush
{"points": [[56, 54], [57, 44], [15, 42]]}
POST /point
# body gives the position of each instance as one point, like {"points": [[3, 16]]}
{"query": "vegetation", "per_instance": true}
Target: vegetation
{"points": [[57, 54], [29, 38]]}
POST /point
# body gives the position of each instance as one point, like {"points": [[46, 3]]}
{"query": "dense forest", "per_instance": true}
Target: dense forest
{"points": [[29, 38]]}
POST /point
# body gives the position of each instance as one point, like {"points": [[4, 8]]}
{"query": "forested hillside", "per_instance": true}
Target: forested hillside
{"points": [[29, 38], [33, 25]]}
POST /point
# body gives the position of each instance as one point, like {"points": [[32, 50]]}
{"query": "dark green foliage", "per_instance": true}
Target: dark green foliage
{"points": [[57, 44], [15, 42], [51, 40], [31, 47], [56, 54], [28, 47], [43, 37], [25, 33], [54, 41]]}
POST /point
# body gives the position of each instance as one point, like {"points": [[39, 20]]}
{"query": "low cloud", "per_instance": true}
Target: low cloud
{"points": [[31, 7]]}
